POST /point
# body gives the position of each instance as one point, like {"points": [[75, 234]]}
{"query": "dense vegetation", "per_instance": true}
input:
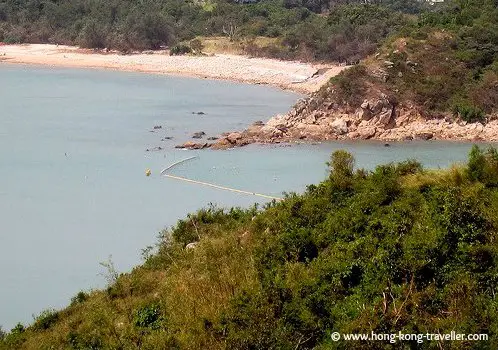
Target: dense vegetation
{"points": [[445, 65], [303, 29], [398, 248]]}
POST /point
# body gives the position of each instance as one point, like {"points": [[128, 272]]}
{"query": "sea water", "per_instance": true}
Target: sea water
{"points": [[73, 155]]}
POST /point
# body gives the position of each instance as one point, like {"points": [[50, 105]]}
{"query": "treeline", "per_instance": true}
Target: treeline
{"points": [[306, 29], [319, 6], [395, 249]]}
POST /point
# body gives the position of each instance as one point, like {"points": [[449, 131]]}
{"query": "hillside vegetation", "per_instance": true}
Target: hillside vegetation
{"points": [[304, 29], [445, 65], [399, 248]]}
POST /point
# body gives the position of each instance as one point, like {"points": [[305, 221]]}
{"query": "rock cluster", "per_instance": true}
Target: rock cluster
{"points": [[234, 139], [193, 145], [379, 118]]}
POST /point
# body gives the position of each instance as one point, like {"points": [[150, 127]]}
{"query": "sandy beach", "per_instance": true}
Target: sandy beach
{"points": [[295, 76]]}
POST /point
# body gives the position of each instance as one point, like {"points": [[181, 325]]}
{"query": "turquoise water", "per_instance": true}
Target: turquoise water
{"points": [[73, 156]]}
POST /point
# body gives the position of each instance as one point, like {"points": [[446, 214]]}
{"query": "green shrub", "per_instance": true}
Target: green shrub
{"points": [[408, 167], [180, 49], [351, 85], [341, 169], [483, 166], [468, 113], [79, 298], [46, 319], [15, 338], [476, 163], [18, 329], [148, 317], [84, 341]]}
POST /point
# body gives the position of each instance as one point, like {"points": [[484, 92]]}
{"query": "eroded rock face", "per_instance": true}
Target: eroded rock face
{"points": [[326, 123], [234, 137], [367, 133], [364, 114], [380, 111], [315, 119], [339, 126]]}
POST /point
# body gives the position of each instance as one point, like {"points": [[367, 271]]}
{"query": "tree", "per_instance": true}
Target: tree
{"points": [[341, 169], [476, 163]]}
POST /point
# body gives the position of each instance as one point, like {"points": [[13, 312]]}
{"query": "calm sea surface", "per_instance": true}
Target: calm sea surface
{"points": [[73, 156]]}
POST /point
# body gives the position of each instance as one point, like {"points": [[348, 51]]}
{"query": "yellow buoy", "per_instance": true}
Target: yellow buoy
{"points": [[147, 172]]}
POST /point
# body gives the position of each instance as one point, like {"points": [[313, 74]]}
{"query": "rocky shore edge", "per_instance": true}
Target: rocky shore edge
{"points": [[377, 118]]}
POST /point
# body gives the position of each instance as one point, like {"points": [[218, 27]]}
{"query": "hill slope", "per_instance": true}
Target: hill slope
{"points": [[395, 249], [436, 79]]}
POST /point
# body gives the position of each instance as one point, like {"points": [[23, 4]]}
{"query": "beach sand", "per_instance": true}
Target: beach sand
{"points": [[295, 76]]}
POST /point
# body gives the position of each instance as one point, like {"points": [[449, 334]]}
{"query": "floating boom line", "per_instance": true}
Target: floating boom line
{"points": [[221, 187], [163, 173], [177, 163]]}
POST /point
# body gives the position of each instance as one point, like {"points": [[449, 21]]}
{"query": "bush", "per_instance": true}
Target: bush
{"points": [[15, 338], [468, 112], [350, 85], [149, 31], [79, 298], [180, 49], [483, 166], [148, 317], [93, 35], [90, 341], [45, 320], [18, 329], [341, 169]]}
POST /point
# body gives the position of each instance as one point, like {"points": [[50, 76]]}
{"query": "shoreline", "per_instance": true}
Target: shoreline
{"points": [[294, 76], [315, 120], [302, 123]]}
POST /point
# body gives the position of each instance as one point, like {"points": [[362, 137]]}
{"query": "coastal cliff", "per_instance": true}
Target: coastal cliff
{"points": [[376, 118], [440, 85]]}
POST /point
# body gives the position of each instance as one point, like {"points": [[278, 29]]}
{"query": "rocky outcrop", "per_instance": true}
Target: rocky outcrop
{"points": [[234, 139], [193, 145], [379, 118]]}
